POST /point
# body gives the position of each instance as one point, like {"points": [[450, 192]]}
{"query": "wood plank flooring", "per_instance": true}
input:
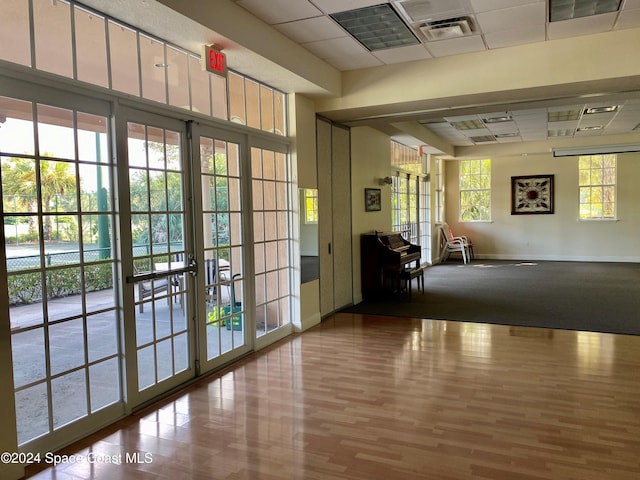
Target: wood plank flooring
{"points": [[367, 397]]}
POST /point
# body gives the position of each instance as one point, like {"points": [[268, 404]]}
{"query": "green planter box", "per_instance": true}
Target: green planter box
{"points": [[236, 320]]}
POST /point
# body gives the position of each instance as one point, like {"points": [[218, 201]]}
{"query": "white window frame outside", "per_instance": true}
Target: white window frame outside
{"points": [[594, 177], [477, 183]]}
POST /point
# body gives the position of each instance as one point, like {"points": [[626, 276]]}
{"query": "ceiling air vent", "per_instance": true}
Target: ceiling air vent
{"points": [[483, 139], [444, 29]]}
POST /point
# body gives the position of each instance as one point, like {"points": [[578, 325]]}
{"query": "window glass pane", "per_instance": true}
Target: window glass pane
{"points": [[92, 138], [200, 99], [16, 134], [55, 132], [123, 52], [178, 78], [219, 97], [279, 113], [475, 190], [266, 108], [91, 48], [68, 398], [104, 380], [597, 181], [236, 99], [52, 30], [153, 68], [252, 90], [15, 42]]}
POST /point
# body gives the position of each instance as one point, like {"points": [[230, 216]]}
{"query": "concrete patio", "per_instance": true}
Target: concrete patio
{"points": [[83, 382]]}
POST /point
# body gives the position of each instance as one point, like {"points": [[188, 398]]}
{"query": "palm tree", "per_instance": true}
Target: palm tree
{"points": [[19, 178]]}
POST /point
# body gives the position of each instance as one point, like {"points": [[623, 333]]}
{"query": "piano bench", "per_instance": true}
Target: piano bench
{"points": [[409, 274]]}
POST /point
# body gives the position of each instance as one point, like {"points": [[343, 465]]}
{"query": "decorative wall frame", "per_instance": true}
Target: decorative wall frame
{"points": [[532, 194], [372, 199]]}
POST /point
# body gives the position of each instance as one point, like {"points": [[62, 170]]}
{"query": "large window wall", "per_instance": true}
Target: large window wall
{"points": [[78, 318], [410, 197]]}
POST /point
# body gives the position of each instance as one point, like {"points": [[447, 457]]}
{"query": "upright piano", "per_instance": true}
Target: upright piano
{"points": [[384, 256]]}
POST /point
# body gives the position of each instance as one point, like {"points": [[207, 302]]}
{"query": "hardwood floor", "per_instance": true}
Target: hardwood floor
{"points": [[367, 397]]}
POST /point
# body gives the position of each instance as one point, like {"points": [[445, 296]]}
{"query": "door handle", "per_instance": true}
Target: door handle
{"points": [[329, 244]]}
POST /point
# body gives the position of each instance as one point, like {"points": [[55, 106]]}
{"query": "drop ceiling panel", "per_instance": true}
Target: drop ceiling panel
{"points": [[431, 10], [311, 29], [403, 54], [519, 36], [356, 60], [333, 6], [582, 26], [489, 5], [336, 47], [279, 11], [456, 46], [512, 18], [628, 19]]}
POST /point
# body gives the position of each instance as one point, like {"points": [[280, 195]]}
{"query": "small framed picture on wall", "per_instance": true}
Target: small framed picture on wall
{"points": [[532, 194], [372, 199]]}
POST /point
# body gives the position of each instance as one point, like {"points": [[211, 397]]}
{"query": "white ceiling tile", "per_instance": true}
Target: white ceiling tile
{"points": [[402, 54], [520, 36], [589, 133], [488, 5], [529, 114], [502, 127], [335, 47], [566, 125], [517, 138], [333, 6], [512, 18], [433, 10], [565, 108], [456, 46], [354, 62], [462, 118], [279, 11], [631, 5], [582, 26], [628, 19], [311, 29]]}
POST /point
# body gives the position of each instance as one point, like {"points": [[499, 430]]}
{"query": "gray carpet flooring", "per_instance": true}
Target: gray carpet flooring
{"points": [[589, 296]]}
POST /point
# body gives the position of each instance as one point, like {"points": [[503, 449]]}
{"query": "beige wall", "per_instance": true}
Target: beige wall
{"points": [[559, 236], [302, 117], [370, 157]]}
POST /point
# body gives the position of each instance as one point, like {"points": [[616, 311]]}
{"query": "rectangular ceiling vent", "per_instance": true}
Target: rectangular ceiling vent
{"points": [[445, 29], [483, 139]]}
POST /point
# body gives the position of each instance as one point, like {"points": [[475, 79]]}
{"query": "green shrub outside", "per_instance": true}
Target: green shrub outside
{"points": [[25, 288]]}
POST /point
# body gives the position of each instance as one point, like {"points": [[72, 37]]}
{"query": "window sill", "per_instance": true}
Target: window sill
{"points": [[605, 220]]}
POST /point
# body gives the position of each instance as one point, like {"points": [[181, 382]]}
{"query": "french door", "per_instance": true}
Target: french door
{"points": [[158, 254], [223, 316]]}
